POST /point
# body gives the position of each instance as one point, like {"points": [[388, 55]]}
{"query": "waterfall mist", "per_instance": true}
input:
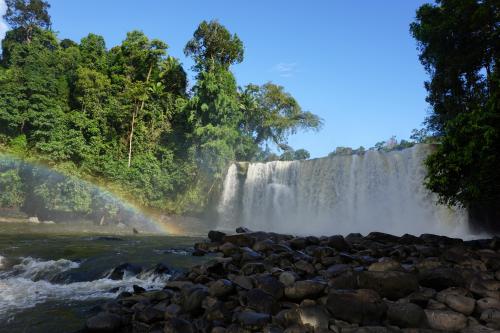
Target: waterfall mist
{"points": [[376, 191]]}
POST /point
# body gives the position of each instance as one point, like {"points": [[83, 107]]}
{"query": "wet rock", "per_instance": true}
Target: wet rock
{"points": [[138, 289], [305, 289], [446, 320], [336, 270], [393, 285], [362, 306], [406, 315], [216, 236], [103, 323], [422, 296], [242, 230], [118, 272], [244, 282]]}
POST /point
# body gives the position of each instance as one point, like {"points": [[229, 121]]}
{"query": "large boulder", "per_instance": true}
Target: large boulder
{"points": [[362, 306], [305, 289], [216, 236], [441, 278], [393, 285], [119, 271]]}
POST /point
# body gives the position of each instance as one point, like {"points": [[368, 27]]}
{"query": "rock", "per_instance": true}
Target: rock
{"points": [[172, 311], [305, 267], [260, 301], [253, 320], [487, 303], [245, 239], [314, 316], [118, 272], [393, 285], [362, 306], [338, 243], [287, 278], [103, 323], [221, 288], [382, 237], [271, 285], [385, 265], [299, 243], [446, 320], [177, 325], [242, 230], [305, 289], [244, 282], [216, 236], [138, 289], [491, 316], [441, 278], [422, 296], [149, 315], [33, 219], [336, 270], [192, 298], [455, 298], [406, 315], [247, 254]]}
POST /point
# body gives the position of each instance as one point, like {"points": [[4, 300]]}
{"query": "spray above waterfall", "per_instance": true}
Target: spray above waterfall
{"points": [[338, 195]]}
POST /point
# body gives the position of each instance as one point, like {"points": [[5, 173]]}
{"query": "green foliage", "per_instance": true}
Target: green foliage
{"points": [[458, 42], [213, 46], [123, 117]]}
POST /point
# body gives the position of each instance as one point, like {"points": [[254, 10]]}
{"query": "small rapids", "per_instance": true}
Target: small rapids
{"points": [[33, 281]]}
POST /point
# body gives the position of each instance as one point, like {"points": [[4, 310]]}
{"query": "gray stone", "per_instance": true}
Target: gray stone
{"points": [[406, 315], [446, 320], [305, 289], [103, 323], [362, 306]]}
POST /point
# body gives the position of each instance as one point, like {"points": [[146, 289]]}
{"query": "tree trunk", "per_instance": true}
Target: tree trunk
{"points": [[134, 116]]}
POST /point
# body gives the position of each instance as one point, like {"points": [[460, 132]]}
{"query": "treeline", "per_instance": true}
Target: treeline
{"points": [[125, 117]]}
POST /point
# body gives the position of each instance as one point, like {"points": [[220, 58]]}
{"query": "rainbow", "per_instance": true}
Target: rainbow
{"points": [[151, 216]]}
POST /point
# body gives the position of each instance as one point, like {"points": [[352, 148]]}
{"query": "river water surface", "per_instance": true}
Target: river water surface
{"points": [[50, 281]]}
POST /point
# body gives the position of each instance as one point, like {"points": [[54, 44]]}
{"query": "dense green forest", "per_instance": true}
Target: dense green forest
{"points": [[127, 118]]}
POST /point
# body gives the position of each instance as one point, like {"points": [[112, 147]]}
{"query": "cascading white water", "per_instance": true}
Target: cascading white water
{"points": [[376, 191], [228, 207]]}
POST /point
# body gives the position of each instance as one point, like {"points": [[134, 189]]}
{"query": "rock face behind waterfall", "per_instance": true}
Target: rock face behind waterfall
{"points": [[267, 282], [355, 193]]}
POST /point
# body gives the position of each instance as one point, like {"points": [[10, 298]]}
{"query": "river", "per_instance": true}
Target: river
{"points": [[51, 278]]}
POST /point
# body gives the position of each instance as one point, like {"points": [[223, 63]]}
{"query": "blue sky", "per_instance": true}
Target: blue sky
{"points": [[354, 63]]}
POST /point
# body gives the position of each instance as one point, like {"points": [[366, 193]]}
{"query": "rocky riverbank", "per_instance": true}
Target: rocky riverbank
{"points": [[267, 282]]}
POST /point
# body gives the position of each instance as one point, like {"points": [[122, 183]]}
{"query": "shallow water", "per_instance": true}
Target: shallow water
{"points": [[50, 282]]}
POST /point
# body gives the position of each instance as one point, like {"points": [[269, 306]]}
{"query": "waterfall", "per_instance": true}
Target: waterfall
{"points": [[376, 191]]}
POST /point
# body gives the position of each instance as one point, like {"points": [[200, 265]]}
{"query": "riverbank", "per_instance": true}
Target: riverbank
{"points": [[267, 282]]}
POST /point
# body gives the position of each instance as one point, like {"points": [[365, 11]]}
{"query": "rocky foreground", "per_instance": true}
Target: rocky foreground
{"points": [[267, 282]]}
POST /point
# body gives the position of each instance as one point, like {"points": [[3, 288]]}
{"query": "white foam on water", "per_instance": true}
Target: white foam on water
{"points": [[28, 284], [377, 191]]}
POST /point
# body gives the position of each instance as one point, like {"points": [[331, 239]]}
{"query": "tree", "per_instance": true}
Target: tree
{"points": [[301, 154], [213, 46], [270, 113], [458, 43], [27, 15]]}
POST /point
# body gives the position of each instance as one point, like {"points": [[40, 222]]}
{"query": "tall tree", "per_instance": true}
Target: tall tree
{"points": [[27, 15], [459, 48]]}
